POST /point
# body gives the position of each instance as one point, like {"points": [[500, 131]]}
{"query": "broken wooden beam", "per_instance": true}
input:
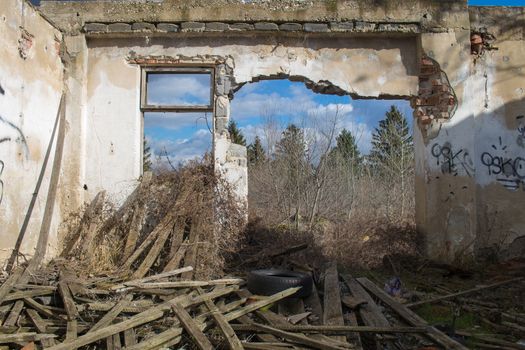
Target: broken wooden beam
{"points": [[410, 317]]}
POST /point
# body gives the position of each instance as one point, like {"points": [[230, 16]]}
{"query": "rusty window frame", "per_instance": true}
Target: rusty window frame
{"points": [[145, 107]]}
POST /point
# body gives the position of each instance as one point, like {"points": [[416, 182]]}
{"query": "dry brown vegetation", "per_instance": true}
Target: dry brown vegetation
{"points": [[98, 240]]}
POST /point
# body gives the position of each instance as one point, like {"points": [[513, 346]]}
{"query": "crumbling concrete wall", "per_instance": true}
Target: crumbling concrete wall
{"points": [[31, 84], [468, 108]]}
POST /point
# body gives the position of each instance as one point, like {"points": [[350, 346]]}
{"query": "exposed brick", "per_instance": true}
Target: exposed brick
{"points": [[216, 27], [119, 27], [425, 61], [342, 26], [95, 27], [192, 27], [291, 27], [241, 26], [429, 70], [364, 26], [266, 26], [168, 27], [425, 120], [316, 27], [143, 26]]}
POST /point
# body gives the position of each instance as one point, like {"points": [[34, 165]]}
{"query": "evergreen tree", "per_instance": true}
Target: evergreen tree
{"points": [[146, 156], [236, 135], [292, 144], [256, 153], [392, 145], [346, 148]]}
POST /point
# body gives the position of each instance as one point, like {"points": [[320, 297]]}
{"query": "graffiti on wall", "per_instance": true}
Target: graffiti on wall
{"points": [[521, 131], [453, 161], [509, 171], [9, 132]]}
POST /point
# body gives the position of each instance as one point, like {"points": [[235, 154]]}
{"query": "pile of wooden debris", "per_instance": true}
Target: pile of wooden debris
{"points": [[57, 310]]}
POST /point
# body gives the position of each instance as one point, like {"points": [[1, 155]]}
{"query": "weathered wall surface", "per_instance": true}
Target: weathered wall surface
{"points": [[31, 76], [470, 139], [499, 79], [365, 67]]}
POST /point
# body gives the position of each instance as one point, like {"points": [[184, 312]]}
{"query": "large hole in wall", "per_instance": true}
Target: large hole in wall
{"points": [[339, 169]]}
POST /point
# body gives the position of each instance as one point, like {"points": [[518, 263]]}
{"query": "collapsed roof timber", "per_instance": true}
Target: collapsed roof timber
{"points": [[73, 94]]}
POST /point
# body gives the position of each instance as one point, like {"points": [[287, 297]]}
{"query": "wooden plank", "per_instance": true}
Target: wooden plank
{"points": [[233, 342], [176, 240], [41, 326], [164, 228], [333, 329], [69, 304], [314, 304], [130, 338], [42, 309], [297, 338], [370, 312], [23, 337], [333, 311], [185, 284], [117, 345], [266, 346], [149, 315], [10, 282], [158, 276], [84, 223], [14, 314], [278, 321], [192, 328], [72, 331], [177, 258], [191, 254], [27, 294], [91, 229], [465, 292], [143, 246], [410, 317], [169, 335], [260, 303], [135, 228], [113, 313]]}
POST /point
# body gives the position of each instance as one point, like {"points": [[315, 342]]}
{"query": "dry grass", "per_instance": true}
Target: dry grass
{"points": [[191, 193]]}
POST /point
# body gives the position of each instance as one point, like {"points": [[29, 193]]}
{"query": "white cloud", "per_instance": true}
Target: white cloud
{"points": [[179, 89]]}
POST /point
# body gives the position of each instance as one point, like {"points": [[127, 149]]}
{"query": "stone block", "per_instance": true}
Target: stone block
{"points": [[143, 26], [291, 27], [241, 26], [361, 26], [192, 27], [216, 27], [316, 27], [168, 27], [119, 27], [266, 26], [95, 27], [342, 26]]}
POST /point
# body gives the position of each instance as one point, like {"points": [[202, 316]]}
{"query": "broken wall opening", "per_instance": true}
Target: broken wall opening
{"points": [[313, 168]]}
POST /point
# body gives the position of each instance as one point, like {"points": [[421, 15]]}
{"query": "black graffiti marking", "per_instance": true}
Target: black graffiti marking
{"points": [[512, 184], [18, 137], [2, 91], [512, 168], [450, 161]]}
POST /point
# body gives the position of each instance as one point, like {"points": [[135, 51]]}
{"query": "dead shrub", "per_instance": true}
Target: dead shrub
{"points": [[192, 195]]}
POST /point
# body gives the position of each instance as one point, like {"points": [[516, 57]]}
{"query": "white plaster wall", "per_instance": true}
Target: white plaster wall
{"points": [[112, 124], [29, 100]]}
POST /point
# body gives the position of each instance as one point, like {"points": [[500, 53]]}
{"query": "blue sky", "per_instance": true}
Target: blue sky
{"points": [[261, 109]]}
